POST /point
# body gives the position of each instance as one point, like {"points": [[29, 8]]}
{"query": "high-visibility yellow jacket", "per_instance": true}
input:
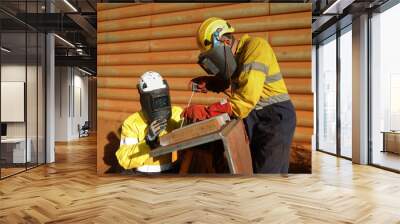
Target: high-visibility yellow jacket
{"points": [[133, 151], [258, 81]]}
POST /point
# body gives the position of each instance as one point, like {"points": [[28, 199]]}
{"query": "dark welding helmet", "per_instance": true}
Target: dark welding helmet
{"points": [[216, 58], [218, 61], [154, 96]]}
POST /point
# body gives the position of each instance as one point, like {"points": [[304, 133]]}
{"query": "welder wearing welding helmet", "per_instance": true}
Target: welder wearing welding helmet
{"points": [[141, 131], [258, 92]]}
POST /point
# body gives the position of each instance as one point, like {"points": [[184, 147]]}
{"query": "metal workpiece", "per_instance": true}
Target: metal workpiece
{"points": [[236, 146], [193, 130]]}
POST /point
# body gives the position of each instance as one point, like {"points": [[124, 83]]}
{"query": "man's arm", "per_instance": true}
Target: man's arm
{"points": [[132, 152], [250, 83]]}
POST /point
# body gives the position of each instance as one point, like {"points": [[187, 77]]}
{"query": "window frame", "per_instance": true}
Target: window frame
{"points": [[334, 37]]}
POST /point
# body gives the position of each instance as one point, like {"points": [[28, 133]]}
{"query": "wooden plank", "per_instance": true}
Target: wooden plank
{"points": [[235, 143], [237, 149], [194, 130]]}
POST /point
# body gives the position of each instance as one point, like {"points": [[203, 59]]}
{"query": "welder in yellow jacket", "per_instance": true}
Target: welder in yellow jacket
{"points": [[141, 131], [258, 92]]}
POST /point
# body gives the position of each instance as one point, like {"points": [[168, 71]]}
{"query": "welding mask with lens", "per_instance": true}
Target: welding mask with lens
{"points": [[219, 61], [154, 98]]}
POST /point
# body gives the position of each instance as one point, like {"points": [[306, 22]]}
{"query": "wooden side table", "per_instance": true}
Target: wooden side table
{"points": [[391, 141]]}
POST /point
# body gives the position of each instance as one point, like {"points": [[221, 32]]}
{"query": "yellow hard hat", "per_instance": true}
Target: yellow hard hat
{"points": [[208, 27]]}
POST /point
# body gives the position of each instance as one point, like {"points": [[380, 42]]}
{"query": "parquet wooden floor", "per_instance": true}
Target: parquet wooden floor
{"points": [[69, 191]]}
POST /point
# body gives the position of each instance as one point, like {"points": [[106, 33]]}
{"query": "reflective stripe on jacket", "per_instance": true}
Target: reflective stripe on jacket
{"points": [[258, 81], [133, 151]]}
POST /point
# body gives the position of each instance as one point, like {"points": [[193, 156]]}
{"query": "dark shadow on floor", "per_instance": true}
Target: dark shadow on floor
{"points": [[109, 153]]}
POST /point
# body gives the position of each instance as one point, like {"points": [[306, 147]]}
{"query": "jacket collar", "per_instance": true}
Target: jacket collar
{"points": [[242, 40]]}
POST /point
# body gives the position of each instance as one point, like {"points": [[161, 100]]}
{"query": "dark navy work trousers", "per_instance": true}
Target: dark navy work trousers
{"points": [[270, 131]]}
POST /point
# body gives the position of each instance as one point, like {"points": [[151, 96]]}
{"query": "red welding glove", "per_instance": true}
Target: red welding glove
{"points": [[195, 113], [208, 83], [219, 108]]}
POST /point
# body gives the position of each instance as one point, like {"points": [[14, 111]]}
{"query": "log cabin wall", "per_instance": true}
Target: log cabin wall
{"points": [[134, 38]]}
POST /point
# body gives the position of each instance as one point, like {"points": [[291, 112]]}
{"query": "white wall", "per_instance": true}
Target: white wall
{"points": [[16, 73], [71, 87], [81, 81], [33, 127], [61, 103]]}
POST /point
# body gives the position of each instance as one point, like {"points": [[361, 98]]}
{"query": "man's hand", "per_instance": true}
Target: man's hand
{"points": [[204, 84], [195, 113], [219, 108], [155, 128], [199, 84]]}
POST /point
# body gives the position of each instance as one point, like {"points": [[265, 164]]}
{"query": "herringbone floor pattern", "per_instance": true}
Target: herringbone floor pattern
{"points": [[69, 191]]}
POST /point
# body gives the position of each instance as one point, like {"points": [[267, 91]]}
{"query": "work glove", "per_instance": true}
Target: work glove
{"points": [[195, 113], [204, 84], [219, 108], [155, 128]]}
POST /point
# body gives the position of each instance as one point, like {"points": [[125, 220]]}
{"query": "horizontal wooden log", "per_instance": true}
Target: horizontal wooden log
{"points": [[123, 100], [304, 118], [290, 37], [253, 24], [293, 53], [139, 10], [112, 115], [280, 8], [294, 85], [303, 135], [301, 138], [177, 97], [288, 69], [275, 38], [198, 15], [119, 11], [173, 57], [187, 16], [286, 53], [135, 10], [108, 6], [296, 69], [298, 85]]}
